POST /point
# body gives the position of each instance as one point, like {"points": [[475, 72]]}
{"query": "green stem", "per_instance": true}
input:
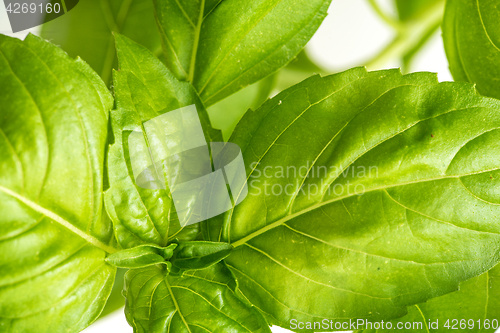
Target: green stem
{"points": [[409, 36], [386, 18]]}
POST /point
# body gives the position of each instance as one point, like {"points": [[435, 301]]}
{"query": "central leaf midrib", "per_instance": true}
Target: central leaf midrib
{"points": [[327, 202], [53, 216], [196, 42], [175, 303], [213, 306]]}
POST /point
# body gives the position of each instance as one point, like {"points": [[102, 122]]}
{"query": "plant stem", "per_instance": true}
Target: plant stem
{"points": [[409, 36], [386, 18]]}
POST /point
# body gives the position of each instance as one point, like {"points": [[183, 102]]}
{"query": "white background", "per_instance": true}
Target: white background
{"points": [[350, 35]]}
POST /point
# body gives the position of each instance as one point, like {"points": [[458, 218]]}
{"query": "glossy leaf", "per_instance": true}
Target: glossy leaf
{"points": [[472, 43], [198, 255], [142, 256], [198, 302], [474, 308], [53, 239], [144, 89], [368, 192], [223, 46], [86, 31]]}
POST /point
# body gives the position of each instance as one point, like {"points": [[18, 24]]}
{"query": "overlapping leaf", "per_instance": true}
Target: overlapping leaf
{"points": [[144, 89], [472, 43], [198, 302], [223, 46], [54, 235], [368, 192], [474, 308]]}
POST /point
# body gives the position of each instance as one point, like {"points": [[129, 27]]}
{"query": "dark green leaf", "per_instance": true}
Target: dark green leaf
{"points": [[474, 308], [368, 192], [142, 256], [223, 46], [86, 30], [199, 255], [471, 33], [144, 89], [53, 239], [198, 302]]}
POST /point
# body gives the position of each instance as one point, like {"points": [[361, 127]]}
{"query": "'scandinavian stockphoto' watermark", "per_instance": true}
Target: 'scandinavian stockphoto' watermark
{"points": [[309, 180]]}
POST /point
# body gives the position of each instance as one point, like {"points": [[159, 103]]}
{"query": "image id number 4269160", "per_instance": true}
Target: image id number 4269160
{"points": [[461, 324], [32, 7]]}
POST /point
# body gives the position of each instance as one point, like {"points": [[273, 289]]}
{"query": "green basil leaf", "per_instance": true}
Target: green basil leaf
{"points": [[86, 30], [223, 46], [472, 43], [198, 255], [142, 256], [199, 301], [144, 89], [368, 192], [115, 300], [474, 308], [53, 239]]}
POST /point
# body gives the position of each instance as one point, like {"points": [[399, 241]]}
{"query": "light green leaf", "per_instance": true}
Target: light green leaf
{"points": [[474, 308], [471, 34], [198, 302], [53, 237], [115, 300], [223, 46], [86, 30], [142, 256], [144, 89], [198, 255], [368, 192]]}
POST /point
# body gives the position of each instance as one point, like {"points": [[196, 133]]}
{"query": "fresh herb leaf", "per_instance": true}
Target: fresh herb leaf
{"points": [[199, 301], [198, 255], [223, 46], [86, 30], [142, 256], [53, 239], [472, 43], [144, 88], [474, 308], [368, 192], [115, 300]]}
